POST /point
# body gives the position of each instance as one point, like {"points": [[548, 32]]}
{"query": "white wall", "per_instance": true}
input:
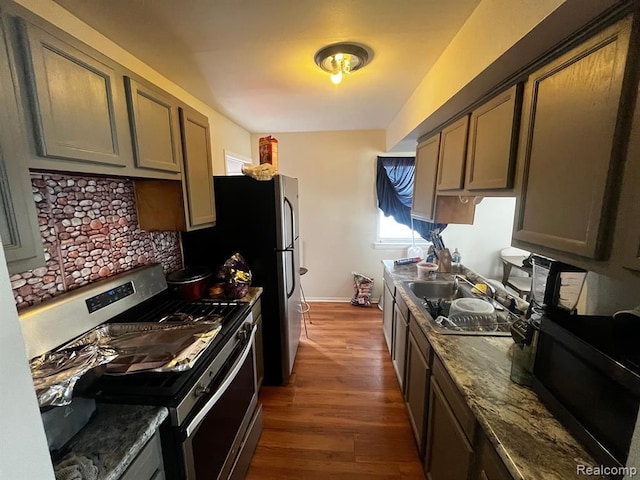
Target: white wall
{"points": [[225, 134], [338, 212], [499, 38], [336, 172], [480, 243], [23, 446]]}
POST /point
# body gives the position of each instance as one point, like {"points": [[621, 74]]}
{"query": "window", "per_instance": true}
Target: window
{"points": [[392, 232], [394, 189], [235, 162]]}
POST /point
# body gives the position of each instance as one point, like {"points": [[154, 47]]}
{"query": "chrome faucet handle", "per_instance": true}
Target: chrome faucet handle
{"points": [[491, 288]]}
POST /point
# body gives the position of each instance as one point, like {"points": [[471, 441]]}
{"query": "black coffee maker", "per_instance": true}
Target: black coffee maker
{"points": [[555, 290]]}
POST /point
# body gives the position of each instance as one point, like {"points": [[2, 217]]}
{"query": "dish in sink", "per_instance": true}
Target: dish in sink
{"points": [[476, 316]]}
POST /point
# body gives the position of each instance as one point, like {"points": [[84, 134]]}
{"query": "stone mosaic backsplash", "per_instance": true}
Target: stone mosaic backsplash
{"points": [[89, 230]]}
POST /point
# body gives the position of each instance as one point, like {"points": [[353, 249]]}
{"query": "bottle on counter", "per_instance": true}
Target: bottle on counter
{"points": [[456, 259]]}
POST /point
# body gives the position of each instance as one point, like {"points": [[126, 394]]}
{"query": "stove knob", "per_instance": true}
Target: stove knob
{"points": [[244, 332], [200, 391]]}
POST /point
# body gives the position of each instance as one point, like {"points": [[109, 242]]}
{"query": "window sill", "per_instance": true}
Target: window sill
{"points": [[378, 245]]}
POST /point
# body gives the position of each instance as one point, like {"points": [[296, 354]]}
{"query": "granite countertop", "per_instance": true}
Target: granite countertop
{"points": [[528, 438], [252, 295], [115, 435]]}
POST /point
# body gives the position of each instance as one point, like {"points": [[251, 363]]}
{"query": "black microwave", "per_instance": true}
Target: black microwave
{"points": [[587, 371]]}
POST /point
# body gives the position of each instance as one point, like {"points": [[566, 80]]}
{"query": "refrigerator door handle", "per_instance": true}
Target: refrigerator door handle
{"points": [[293, 274], [291, 223]]}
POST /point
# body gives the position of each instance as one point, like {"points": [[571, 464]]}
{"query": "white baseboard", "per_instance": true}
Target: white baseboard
{"points": [[333, 299]]}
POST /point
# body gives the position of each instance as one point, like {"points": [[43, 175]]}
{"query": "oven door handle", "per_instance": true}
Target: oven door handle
{"points": [[195, 423]]}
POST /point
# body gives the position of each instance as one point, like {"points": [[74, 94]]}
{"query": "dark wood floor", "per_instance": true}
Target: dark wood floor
{"points": [[342, 415]]}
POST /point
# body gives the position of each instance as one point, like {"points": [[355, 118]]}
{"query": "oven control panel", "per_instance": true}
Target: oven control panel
{"points": [[105, 299]]}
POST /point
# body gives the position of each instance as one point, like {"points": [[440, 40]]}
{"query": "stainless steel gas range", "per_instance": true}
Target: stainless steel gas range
{"points": [[214, 417]]}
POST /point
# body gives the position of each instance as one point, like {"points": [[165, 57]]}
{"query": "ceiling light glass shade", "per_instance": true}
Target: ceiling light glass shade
{"points": [[341, 59]]}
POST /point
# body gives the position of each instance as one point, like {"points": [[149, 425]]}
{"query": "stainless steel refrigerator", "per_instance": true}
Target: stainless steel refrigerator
{"points": [[259, 220]]}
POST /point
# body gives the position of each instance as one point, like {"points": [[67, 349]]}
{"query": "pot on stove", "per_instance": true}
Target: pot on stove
{"points": [[191, 283]]}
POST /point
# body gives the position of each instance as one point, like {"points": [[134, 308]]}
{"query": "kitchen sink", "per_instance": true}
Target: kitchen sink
{"points": [[435, 297], [433, 289]]}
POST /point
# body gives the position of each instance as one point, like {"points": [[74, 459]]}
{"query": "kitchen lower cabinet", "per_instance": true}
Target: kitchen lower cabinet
{"points": [[77, 101], [155, 129], [571, 148], [450, 432], [19, 228], [490, 465], [452, 155], [148, 464], [400, 332], [258, 348], [493, 141], [417, 382], [424, 185], [387, 312]]}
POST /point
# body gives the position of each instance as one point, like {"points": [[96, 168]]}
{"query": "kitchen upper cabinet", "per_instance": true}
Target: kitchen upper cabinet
{"points": [[629, 208], [188, 205], [450, 454], [453, 151], [417, 382], [18, 219], [493, 140], [570, 147], [198, 174], [155, 128], [424, 185], [77, 101]]}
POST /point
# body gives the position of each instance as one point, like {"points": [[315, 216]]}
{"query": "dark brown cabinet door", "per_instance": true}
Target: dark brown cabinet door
{"points": [[387, 317], [569, 146], [629, 209], [259, 352], [490, 466], [493, 139], [453, 151], [416, 391], [424, 186], [399, 345], [86, 123], [449, 454]]}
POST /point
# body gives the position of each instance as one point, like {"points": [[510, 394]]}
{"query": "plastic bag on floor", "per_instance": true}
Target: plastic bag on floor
{"points": [[362, 290]]}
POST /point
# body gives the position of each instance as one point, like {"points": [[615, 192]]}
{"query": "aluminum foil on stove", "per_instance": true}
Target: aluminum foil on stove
{"points": [[55, 374], [152, 347], [123, 348]]}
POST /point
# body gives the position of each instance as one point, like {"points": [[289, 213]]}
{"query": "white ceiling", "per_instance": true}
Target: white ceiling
{"points": [[253, 60]]}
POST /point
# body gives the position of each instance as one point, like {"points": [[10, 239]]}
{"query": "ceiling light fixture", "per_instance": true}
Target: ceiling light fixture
{"points": [[341, 59]]}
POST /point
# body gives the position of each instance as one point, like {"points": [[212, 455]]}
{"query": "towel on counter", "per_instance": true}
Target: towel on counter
{"points": [[76, 467]]}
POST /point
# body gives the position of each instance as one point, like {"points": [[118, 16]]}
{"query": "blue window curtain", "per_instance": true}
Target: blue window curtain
{"points": [[394, 187]]}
